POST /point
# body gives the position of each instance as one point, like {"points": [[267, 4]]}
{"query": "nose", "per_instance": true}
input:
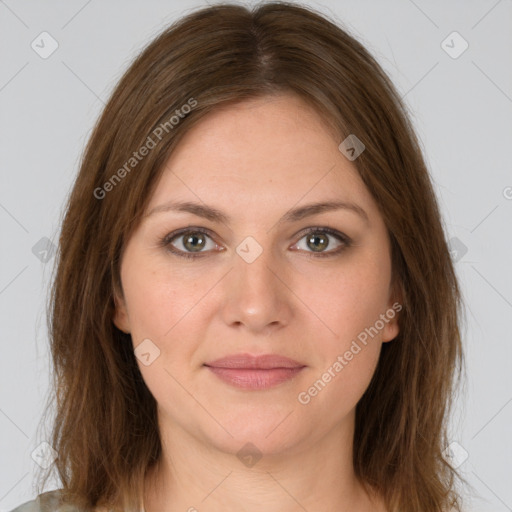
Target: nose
{"points": [[256, 296]]}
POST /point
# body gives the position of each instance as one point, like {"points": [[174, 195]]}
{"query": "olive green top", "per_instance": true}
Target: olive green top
{"points": [[47, 502]]}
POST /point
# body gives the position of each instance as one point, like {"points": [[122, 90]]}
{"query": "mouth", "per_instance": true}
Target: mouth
{"points": [[255, 372]]}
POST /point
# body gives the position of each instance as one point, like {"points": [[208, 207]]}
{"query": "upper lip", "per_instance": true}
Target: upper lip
{"points": [[261, 362]]}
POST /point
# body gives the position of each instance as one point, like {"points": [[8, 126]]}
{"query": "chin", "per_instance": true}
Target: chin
{"points": [[264, 432]]}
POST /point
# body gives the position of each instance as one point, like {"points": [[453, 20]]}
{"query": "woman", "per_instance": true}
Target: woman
{"points": [[254, 306]]}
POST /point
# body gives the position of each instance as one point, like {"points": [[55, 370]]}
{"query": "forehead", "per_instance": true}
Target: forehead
{"points": [[273, 150]]}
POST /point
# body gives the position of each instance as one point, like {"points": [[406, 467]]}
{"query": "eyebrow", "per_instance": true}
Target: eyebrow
{"points": [[294, 215]]}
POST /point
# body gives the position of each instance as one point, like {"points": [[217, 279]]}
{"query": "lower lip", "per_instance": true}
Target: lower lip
{"points": [[246, 378]]}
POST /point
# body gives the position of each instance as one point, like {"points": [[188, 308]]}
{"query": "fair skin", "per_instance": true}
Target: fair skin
{"points": [[255, 161]]}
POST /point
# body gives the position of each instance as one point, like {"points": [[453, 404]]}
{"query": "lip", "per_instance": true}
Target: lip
{"points": [[255, 372], [259, 362]]}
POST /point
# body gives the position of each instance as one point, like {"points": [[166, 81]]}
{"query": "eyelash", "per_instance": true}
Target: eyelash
{"points": [[165, 242]]}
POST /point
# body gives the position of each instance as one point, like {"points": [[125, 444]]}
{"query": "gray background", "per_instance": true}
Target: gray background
{"points": [[461, 108]]}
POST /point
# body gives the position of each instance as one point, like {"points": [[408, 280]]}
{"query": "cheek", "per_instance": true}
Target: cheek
{"points": [[157, 298], [161, 309], [165, 307], [150, 306], [351, 303], [355, 375], [350, 348], [347, 360]]}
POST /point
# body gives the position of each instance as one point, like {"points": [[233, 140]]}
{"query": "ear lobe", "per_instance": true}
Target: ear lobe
{"points": [[391, 329], [120, 319]]}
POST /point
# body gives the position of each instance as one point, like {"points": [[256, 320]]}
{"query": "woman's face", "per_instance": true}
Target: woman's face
{"points": [[256, 283]]}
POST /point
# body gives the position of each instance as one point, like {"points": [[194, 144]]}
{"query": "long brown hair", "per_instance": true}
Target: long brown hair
{"points": [[105, 428]]}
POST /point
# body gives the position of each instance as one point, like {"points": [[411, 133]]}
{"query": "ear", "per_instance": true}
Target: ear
{"points": [[121, 319], [392, 314]]}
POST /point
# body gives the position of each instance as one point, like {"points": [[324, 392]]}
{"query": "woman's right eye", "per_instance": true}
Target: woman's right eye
{"points": [[188, 243]]}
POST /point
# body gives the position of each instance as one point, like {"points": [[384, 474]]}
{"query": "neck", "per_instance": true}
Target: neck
{"points": [[193, 476]]}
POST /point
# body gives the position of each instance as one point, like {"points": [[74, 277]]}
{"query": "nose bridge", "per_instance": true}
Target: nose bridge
{"points": [[255, 297], [253, 264]]}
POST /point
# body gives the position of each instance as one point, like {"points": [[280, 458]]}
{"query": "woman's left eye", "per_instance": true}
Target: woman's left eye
{"points": [[194, 240], [317, 239]]}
